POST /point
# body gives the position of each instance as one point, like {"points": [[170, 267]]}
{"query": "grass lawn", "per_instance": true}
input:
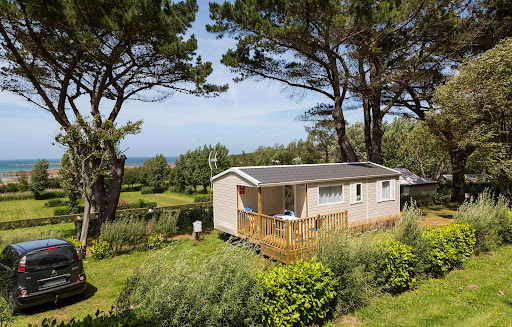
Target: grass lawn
{"points": [[478, 295], [22, 209], [162, 199], [30, 208], [437, 215], [106, 279]]}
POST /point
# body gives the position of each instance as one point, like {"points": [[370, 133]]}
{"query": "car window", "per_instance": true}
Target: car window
{"points": [[52, 257]]}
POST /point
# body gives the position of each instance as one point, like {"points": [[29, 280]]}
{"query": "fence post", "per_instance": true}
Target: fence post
{"points": [[260, 209], [319, 222], [287, 236], [345, 221]]}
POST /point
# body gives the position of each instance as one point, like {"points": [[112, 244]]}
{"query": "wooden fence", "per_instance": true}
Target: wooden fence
{"points": [[290, 239]]}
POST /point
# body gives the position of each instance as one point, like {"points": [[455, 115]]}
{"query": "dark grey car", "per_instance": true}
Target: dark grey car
{"points": [[40, 271]]}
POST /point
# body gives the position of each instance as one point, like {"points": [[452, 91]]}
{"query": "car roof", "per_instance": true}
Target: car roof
{"points": [[26, 247]]}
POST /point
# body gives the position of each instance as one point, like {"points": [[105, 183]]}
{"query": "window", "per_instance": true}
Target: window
{"points": [[356, 193], [386, 190], [330, 194]]}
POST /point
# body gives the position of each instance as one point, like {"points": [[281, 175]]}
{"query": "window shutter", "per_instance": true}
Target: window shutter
{"points": [[352, 193], [392, 189], [379, 191]]}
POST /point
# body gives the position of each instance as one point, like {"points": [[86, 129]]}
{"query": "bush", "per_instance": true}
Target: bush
{"points": [[16, 196], [451, 245], [125, 318], [439, 198], [399, 266], [217, 289], [166, 222], [203, 198], [298, 294], [100, 248], [409, 231], [147, 190], [75, 242], [357, 263], [56, 203], [125, 231], [5, 317], [52, 194], [153, 241], [122, 205], [62, 211], [491, 219]]}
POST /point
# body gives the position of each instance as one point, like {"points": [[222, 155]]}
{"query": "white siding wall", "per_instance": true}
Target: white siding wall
{"points": [[369, 208], [224, 202]]}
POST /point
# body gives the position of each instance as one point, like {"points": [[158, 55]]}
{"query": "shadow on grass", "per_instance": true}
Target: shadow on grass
{"points": [[89, 292]]}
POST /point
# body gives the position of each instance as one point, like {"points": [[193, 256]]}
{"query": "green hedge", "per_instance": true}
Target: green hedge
{"points": [[189, 213], [298, 294], [451, 245]]}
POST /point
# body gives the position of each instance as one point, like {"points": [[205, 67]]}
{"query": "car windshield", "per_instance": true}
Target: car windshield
{"points": [[52, 257]]}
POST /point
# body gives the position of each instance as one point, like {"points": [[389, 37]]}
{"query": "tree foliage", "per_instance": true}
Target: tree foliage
{"points": [[39, 179], [154, 173], [192, 168], [475, 112], [384, 54], [62, 54]]}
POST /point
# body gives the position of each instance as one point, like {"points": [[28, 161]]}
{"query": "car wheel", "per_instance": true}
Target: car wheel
{"points": [[13, 306]]}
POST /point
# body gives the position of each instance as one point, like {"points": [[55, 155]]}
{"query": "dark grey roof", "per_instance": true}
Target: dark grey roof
{"points": [[296, 173], [409, 178]]}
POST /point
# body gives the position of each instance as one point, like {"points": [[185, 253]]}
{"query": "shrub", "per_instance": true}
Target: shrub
{"points": [[439, 198], [75, 242], [100, 248], [203, 198], [5, 317], [56, 203], [357, 263], [217, 289], [16, 195], [62, 211], [298, 294], [125, 318], [166, 222], [399, 266], [125, 231], [147, 190], [135, 205], [491, 219], [451, 245], [153, 241], [409, 231]]}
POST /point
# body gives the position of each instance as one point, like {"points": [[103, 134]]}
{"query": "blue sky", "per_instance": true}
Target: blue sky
{"points": [[249, 114]]}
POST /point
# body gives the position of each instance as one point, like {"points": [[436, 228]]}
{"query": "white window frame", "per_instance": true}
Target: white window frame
{"points": [[353, 193], [391, 190], [331, 203]]}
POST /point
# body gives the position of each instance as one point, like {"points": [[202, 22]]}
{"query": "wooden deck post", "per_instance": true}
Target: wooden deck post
{"points": [[260, 209], [318, 222], [287, 237], [345, 221]]}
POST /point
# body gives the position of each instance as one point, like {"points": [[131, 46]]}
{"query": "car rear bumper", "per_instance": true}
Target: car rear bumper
{"points": [[50, 295]]}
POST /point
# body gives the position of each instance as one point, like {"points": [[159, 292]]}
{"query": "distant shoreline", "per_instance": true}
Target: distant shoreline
{"points": [[12, 175]]}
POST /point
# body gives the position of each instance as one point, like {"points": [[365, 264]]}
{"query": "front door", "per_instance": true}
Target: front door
{"points": [[289, 197]]}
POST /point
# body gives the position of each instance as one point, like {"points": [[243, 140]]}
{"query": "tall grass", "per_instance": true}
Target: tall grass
{"points": [[491, 218], [357, 262], [217, 289], [166, 222]]}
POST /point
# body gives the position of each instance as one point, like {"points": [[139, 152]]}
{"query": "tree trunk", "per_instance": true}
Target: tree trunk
{"points": [[458, 167], [347, 152], [377, 134], [85, 226], [504, 183], [107, 203]]}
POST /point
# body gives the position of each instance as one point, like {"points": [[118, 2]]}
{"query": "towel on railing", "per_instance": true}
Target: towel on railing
{"points": [[249, 209]]}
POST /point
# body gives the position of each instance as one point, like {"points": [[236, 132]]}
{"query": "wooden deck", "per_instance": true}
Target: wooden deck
{"points": [[288, 240]]}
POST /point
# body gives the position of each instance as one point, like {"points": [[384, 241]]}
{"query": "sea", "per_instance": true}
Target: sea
{"points": [[12, 166]]}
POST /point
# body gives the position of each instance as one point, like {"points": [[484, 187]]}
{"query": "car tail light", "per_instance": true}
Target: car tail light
{"points": [[22, 292], [81, 277], [21, 265], [78, 254]]}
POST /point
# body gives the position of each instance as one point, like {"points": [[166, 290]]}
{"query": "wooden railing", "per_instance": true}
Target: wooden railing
{"points": [[283, 239], [286, 240]]}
